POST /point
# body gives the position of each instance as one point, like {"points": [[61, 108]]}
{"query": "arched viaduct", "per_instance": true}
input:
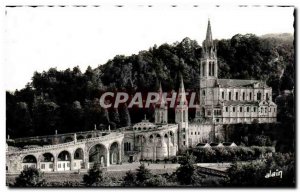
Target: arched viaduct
{"points": [[73, 155]]}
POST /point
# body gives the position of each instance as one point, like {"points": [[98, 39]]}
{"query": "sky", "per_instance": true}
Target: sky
{"points": [[36, 39]]}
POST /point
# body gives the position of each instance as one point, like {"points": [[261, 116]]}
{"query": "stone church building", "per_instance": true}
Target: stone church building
{"points": [[222, 102]]}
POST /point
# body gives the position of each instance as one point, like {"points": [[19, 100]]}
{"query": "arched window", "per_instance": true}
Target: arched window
{"points": [[213, 68], [229, 95], [236, 96], [250, 96], [258, 96], [203, 69], [243, 95]]}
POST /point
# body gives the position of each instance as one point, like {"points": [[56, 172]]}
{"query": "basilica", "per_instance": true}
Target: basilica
{"points": [[221, 102]]}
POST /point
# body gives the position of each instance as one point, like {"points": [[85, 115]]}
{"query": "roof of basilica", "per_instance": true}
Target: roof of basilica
{"points": [[240, 83]]}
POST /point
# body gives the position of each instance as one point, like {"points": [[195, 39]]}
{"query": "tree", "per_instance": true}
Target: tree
{"points": [[129, 180], [186, 170], [124, 116], [142, 175], [156, 181], [96, 177], [30, 177]]}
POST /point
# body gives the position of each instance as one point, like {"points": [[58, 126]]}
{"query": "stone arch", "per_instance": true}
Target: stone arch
{"points": [[80, 137], [78, 154], [46, 157], [64, 156], [114, 153], [98, 154], [172, 137], [68, 139], [166, 135], [29, 161], [159, 138], [151, 138], [89, 136], [46, 161], [64, 160]]}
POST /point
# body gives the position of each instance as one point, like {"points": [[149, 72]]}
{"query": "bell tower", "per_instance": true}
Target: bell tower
{"points": [[161, 109], [208, 76], [209, 64], [181, 118]]}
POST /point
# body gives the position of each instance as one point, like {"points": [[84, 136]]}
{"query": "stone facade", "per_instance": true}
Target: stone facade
{"points": [[231, 101]]}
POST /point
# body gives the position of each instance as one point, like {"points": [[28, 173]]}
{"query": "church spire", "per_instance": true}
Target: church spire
{"points": [[181, 93], [161, 102], [208, 33]]}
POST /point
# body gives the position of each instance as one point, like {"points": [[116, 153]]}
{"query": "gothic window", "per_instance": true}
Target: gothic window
{"points": [[209, 73], [267, 96], [258, 96], [229, 95], [250, 96], [223, 95], [243, 95], [203, 69], [236, 96], [208, 112], [213, 68]]}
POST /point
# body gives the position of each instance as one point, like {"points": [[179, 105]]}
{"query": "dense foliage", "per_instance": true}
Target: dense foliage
{"points": [[143, 178], [229, 154], [253, 174], [96, 177], [30, 177], [68, 100]]}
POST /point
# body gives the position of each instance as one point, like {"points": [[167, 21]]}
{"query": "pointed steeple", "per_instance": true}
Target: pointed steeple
{"points": [[181, 100], [208, 33], [209, 50], [161, 102]]}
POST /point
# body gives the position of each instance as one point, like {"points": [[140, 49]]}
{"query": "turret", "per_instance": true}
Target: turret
{"points": [[181, 117], [161, 108]]}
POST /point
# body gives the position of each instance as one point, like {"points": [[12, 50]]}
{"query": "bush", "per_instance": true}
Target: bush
{"points": [[156, 181], [96, 177], [30, 177], [186, 170]]}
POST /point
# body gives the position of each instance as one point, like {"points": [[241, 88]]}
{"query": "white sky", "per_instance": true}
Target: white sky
{"points": [[39, 38]]}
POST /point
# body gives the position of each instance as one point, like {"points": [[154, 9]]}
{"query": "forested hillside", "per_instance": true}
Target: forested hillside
{"points": [[67, 100]]}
